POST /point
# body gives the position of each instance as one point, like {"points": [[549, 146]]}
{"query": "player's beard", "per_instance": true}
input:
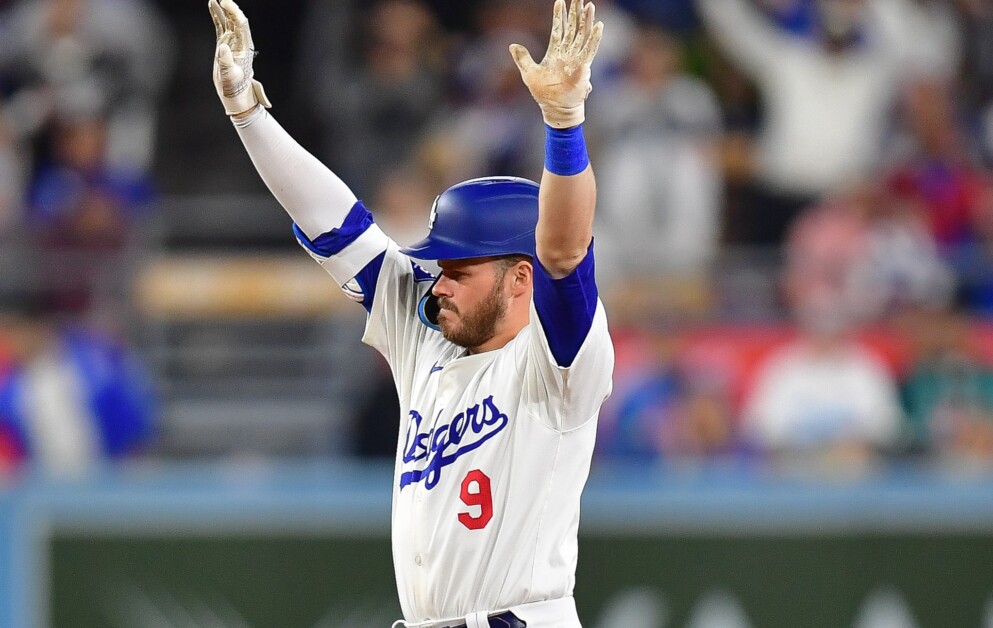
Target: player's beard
{"points": [[476, 327]]}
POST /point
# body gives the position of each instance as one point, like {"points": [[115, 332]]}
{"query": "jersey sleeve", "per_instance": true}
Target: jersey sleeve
{"points": [[570, 354], [351, 253], [396, 326], [369, 267]]}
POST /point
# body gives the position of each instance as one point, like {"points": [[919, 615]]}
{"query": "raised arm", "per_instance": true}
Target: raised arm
{"points": [[560, 85], [316, 199], [748, 38]]}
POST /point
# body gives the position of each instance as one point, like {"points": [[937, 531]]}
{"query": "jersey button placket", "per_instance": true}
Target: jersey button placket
{"points": [[420, 519], [417, 581], [416, 531], [415, 537]]}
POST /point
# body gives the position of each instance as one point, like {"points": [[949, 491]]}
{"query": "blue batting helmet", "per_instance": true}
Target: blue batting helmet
{"points": [[481, 218]]}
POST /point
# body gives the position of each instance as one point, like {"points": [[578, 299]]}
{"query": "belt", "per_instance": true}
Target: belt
{"points": [[503, 620]]}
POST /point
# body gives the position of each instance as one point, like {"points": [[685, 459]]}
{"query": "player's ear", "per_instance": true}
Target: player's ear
{"points": [[523, 275]]}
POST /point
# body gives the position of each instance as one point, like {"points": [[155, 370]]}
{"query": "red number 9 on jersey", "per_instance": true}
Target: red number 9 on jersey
{"points": [[481, 496]]}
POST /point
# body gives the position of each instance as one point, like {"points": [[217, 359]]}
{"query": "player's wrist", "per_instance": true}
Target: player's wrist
{"points": [[244, 119], [239, 107], [563, 117], [246, 101], [565, 150]]}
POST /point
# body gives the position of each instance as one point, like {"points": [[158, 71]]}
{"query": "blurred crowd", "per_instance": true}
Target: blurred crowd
{"points": [[80, 83], [795, 220]]}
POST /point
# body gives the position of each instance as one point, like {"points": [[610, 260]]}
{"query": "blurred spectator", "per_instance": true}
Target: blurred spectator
{"points": [[78, 200], [72, 397], [902, 267], [927, 35], [826, 100], [454, 15], [402, 204], [486, 128], [949, 392], [10, 452], [11, 180], [90, 55], [375, 112], [677, 15], [978, 68], [662, 408], [797, 17], [670, 402], [824, 395], [973, 259], [329, 52], [934, 169], [877, 251], [82, 213], [660, 189]]}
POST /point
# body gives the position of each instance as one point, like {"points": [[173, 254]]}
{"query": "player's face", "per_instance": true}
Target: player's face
{"points": [[472, 297]]}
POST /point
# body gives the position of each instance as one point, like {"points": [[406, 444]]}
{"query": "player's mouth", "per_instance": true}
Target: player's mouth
{"points": [[446, 305], [446, 317]]}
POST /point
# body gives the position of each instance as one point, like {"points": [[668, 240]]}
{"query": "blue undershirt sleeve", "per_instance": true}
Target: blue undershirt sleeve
{"points": [[566, 307]]}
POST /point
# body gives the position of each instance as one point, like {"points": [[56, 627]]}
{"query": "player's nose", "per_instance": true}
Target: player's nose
{"points": [[441, 288]]}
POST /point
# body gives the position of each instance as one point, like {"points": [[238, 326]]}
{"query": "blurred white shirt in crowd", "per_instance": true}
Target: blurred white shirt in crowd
{"points": [[826, 113], [659, 180], [806, 398]]}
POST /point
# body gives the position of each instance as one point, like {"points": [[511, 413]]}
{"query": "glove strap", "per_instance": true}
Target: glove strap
{"points": [[246, 100], [260, 94]]}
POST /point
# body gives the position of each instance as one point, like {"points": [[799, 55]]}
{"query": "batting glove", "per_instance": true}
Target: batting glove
{"points": [[233, 57], [561, 82]]}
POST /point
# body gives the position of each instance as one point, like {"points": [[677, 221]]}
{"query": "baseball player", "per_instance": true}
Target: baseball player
{"points": [[501, 361]]}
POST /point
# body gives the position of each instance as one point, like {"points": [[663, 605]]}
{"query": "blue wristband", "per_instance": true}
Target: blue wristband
{"points": [[565, 151]]}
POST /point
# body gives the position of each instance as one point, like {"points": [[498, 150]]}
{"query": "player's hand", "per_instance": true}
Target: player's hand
{"points": [[233, 57], [561, 82]]}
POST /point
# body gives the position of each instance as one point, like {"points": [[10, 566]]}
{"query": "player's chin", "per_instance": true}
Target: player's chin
{"points": [[449, 333], [445, 321], [450, 328]]}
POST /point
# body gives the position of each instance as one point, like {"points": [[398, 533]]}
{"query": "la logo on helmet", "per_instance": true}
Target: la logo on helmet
{"points": [[434, 213]]}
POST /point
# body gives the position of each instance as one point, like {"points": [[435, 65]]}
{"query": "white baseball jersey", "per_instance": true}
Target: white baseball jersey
{"points": [[494, 448]]}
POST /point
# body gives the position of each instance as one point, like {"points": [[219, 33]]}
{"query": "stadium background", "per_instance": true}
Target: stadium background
{"points": [[231, 464]]}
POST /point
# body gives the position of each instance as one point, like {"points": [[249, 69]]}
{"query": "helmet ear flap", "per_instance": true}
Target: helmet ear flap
{"points": [[429, 308]]}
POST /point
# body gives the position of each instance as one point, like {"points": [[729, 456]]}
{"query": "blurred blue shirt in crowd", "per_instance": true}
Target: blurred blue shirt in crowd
{"points": [[78, 398]]}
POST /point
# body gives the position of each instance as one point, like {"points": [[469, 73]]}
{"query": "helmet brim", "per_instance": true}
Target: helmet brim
{"points": [[434, 248]]}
